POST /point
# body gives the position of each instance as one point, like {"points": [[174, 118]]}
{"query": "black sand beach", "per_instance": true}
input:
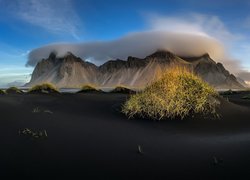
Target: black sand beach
{"points": [[88, 138]]}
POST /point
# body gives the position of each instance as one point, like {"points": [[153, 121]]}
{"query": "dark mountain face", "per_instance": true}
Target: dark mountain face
{"points": [[214, 73], [161, 55], [72, 71], [195, 58], [112, 66]]}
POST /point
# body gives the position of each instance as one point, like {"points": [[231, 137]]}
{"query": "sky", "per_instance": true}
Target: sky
{"points": [[98, 30]]}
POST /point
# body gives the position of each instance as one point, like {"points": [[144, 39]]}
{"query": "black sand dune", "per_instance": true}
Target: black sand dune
{"points": [[88, 138]]}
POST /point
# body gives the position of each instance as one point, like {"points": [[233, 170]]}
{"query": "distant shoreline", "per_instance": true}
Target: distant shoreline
{"points": [[107, 89]]}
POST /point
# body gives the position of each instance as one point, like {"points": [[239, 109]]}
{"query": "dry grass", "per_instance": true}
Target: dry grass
{"points": [[178, 93], [246, 96], [44, 88], [2, 92], [229, 92], [122, 89], [89, 88], [13, 90], [33, 133]]}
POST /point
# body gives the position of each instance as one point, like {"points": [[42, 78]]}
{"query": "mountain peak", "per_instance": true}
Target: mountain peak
{"points": [[69, 54], [52, 55], [206, 55], [195, 58], [162, 54]]}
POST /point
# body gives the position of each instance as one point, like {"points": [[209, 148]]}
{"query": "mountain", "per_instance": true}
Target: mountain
{"points": [[213, 73], [242, 82], [72, 71], [69, 71]]}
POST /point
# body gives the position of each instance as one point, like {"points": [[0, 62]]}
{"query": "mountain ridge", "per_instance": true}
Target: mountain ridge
{"points": [[72, 71]]}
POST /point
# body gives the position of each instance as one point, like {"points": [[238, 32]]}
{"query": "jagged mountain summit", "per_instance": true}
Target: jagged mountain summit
{"points": [[71, 71]]}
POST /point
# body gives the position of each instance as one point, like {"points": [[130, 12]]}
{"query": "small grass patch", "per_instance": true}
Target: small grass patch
{"points": [[33, 133], [177, 94], [45, 88], [246, 97], [41, 110], [89, 88], [229, 92], [2, 92], [122, 89], [13, 90]]}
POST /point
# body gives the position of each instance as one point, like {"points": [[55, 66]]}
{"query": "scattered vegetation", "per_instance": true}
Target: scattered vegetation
{"points": [[36, 110], [178, 93], [217, 161], [89, 88], [2, 92], [139, 149], [40, 110], [45, 88], [122, 89], [246, 96], [229, 92], [33, 133], [13, 90]]}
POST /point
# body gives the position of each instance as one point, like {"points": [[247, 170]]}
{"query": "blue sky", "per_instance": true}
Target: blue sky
{"points": [[29, 24]]}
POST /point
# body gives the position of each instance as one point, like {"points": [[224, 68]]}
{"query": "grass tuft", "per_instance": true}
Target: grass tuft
{"points": [[89, 88], [178, 93], [246, 97], [122, 89], [2, 92], [13, 90], [44, 88], [229, 92]]}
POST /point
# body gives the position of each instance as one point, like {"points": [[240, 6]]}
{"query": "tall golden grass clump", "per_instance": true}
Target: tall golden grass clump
{"points": [[177, 93], [44, 88]]}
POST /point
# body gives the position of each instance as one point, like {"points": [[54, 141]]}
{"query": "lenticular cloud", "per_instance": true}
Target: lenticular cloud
{"points": [[138, 44]]}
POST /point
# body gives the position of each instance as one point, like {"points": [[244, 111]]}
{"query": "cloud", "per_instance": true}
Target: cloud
{"points": [[193, 23], [138, 44], [14, 73], [56, 16], [190, 35], [245, 75]]}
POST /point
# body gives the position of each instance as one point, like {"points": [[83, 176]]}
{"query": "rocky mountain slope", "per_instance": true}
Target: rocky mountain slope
{"points": [[72, 71]]}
